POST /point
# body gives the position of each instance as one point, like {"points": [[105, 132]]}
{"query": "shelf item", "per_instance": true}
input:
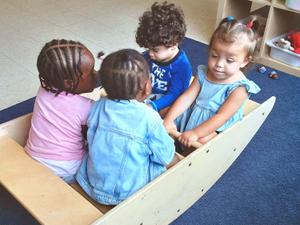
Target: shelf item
{"points": [[281, 54], [293, 4]]}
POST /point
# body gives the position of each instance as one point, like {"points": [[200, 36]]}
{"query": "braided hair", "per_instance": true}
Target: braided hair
{"points": [[123, 74], [163, 25], [60, 60]]}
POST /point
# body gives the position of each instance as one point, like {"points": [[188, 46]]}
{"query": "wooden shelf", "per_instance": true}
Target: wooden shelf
{"points": [[280, 20]]}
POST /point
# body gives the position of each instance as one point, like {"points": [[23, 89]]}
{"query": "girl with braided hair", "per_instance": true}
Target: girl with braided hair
{"points": [[216, 98], [58, 125], [128, 144]]}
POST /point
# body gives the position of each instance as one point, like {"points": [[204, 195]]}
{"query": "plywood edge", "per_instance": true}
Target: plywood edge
{"points": [[48, 198]]}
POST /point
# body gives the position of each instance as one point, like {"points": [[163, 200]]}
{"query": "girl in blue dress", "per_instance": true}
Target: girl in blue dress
{"points": [[217, 96]]}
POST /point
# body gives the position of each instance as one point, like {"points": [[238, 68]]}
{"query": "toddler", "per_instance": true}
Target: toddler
{"points": [[161, 30], [66, 69], [128, 144], [216, 98]]}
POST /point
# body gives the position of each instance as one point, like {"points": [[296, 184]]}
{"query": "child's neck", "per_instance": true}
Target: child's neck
{"points": [[172, 56], [175, 52]]}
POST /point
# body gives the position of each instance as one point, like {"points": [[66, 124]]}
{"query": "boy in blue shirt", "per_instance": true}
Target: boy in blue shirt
{"points": [[161, 30]]}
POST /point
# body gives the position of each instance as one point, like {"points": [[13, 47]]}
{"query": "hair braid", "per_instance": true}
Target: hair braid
{"points": [[123, 74], [58, 61]]}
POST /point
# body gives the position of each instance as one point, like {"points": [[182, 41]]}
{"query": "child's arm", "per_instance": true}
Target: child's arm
{"points": [[161, 145], [179, 83], [181, 104], [226, 111]]}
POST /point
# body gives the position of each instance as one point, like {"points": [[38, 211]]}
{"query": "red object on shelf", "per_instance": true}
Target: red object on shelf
{"points": [[294, 38]]}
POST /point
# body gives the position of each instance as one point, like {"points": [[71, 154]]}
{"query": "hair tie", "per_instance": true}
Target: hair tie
{"points": [[250, 24], [100, 55], [229, 18]]}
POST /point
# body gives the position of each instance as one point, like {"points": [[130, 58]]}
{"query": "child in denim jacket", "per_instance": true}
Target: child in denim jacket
{"points": [[128, 144]]}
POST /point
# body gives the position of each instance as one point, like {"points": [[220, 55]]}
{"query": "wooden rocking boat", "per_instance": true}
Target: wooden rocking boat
{"points": [[51, 201]]}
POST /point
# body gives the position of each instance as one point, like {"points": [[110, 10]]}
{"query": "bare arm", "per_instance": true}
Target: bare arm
{"points": [[182, 103], [226, 111]]}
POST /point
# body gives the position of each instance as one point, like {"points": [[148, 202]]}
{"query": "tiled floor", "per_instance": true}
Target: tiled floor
{"points": [[26, 25]]}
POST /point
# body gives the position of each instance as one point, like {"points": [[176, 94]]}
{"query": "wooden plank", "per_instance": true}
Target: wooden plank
{"points": [[17, 129], [48, 198], [101, 207], [250, 106]]}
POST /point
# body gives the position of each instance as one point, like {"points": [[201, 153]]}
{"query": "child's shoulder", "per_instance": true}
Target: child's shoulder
{"points": [[181, 57], [250, 85], [73, 99], [180, 63], [201, 73]]}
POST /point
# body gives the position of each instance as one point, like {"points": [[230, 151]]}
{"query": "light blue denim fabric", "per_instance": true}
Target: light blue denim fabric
{"points": [[128, 147]]}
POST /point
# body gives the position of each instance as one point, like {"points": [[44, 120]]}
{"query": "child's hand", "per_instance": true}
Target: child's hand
{"points": [[170, 125], [188, 137]]}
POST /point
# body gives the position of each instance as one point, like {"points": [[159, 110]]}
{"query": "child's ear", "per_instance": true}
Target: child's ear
{"points": [[145, 91], [174, 47], [246, 61], [68, 84], [148, 88]]}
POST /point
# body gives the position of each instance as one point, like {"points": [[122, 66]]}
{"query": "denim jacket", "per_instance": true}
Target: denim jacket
{"points": [[128, 147]]}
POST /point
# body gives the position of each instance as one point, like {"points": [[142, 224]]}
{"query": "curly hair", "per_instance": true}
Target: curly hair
{"points": [[60, 60], [163, 25], [123, 74]]}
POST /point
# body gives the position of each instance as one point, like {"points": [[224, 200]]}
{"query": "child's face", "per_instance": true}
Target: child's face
{"points": [[225, 60], [162, 53], [87, 82]]}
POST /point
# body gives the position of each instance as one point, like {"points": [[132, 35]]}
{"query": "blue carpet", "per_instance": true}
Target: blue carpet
{"points": [[262, 187]]}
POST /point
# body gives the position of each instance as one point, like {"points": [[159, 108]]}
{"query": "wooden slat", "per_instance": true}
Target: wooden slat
{"points": [[101, 207], [48, 198], [250, 106]]}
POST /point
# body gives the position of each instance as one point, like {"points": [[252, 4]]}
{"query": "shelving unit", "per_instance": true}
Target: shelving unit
{"points": [[280, 20]]}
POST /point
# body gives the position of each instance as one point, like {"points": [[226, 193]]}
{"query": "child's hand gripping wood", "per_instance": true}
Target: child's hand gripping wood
{"points": [[176, 135]]}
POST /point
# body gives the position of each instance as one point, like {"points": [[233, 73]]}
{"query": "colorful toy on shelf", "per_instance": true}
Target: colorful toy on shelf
{"points": [[294, 38], [285, 44]]}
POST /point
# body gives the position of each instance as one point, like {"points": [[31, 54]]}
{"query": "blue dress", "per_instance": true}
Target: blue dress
{"points": [[210, 99]]}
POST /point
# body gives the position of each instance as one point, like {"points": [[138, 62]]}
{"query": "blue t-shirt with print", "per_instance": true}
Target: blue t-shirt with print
{"points": [[169, 79]]}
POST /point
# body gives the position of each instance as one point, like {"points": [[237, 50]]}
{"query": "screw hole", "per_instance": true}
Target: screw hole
{"points": [[234, 149], [141, 223], [202, 190], [207, 151], [190, 164], [263, 113], [178, 210]]}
